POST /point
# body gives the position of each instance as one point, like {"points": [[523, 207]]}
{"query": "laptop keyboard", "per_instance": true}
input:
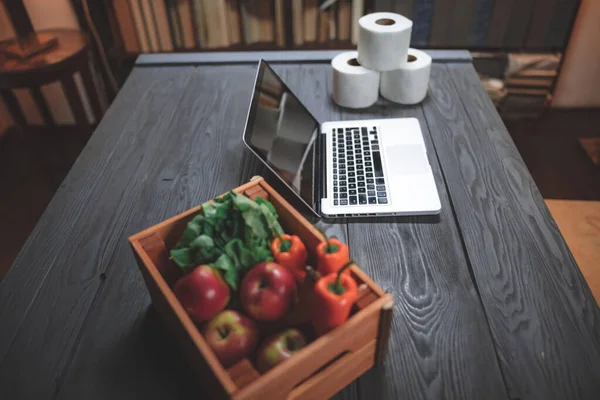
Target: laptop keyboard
{"points": [[357, 168]]}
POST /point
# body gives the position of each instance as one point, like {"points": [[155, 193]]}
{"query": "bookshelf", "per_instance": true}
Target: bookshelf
{"points": [[133, 27], [159, 26]]}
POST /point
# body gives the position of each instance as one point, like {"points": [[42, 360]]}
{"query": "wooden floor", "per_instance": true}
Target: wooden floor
{"points": [[564, 172], [558, 163], [31, 170], [579, 222]]}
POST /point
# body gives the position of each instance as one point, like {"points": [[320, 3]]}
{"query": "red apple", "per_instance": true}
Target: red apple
{"points": [[231, 336], [268, 291], [203, 293], [279, 348]]}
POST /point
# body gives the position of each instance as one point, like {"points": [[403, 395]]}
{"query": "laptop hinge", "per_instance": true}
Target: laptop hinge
{"points": [[321, 173]]}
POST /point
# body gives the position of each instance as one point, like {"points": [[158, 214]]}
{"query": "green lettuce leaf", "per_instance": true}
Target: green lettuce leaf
{"points": [[231, 233], [224, 263], [260, 201], [183, 257]]}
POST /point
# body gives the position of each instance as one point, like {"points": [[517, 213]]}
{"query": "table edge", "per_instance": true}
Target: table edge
{"points": [[293, 56]]}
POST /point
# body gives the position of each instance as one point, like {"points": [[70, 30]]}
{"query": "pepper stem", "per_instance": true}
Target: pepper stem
{"points": [[330, 248], [284, 245], [337, 287]]}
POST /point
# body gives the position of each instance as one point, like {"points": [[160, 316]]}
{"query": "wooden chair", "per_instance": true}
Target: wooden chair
{"points": [[60, 63]]}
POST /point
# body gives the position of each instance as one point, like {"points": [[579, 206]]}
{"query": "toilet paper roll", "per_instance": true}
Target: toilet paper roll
{"points": [[383, 40], [353, 85], [408, 84]]}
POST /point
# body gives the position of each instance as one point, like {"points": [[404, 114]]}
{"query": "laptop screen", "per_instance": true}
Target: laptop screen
{"points": [[283, 133]]}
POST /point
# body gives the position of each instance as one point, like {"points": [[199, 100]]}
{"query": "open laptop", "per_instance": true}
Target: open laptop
{"points": [[360, 168]]}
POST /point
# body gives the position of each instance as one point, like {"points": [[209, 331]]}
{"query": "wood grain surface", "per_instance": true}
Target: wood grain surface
{"points": [[46, 240], [544, 320], [166, 193], [192, 174], [73, 245], [438, 326], [488, 300]]}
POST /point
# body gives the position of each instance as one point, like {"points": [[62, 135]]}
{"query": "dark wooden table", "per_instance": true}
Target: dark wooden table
{"points": [[489, 301]]}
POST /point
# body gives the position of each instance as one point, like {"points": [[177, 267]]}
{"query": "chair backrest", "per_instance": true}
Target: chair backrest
{"points": [[19, 18]]}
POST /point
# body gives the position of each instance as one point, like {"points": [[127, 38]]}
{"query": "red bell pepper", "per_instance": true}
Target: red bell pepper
{"points": [[334, 296], [290, 252], [331, 255]]}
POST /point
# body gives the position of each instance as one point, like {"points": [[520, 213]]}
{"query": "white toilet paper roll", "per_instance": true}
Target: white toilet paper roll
{"points": [[383, 40], [408, 84], [353, 85]]}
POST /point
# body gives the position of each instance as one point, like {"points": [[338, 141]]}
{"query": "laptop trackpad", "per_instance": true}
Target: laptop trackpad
{"points": [[406, 159]]}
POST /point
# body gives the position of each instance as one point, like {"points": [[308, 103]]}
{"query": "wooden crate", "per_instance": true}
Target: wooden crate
{"points": [[325, 366]]}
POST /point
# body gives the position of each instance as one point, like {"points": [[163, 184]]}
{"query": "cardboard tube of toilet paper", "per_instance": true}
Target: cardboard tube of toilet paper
{"points": [[408, 84], [383, 40], [353, 85]]}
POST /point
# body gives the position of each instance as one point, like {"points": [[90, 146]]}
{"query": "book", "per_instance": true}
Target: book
{"points": [[206, 21], [403, 7], [199, 23], [541, 23], [162, 25], [332, 16], [252, 23], [279, 27], [422, 12], [136, 12], [533, 83], [344, 14], [537, 73], [481, 18], [174, 24], [310, 12], [519, 23], [184, 9], [384, 6], [216, 18], [222, 16], [451, 23], [564, 14], [297, 22], [499, 23], [28, 47], [148, 17], [246, 34], [358, 9], [233, 17], [126, 26], [323, 29], [265, 21]]}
